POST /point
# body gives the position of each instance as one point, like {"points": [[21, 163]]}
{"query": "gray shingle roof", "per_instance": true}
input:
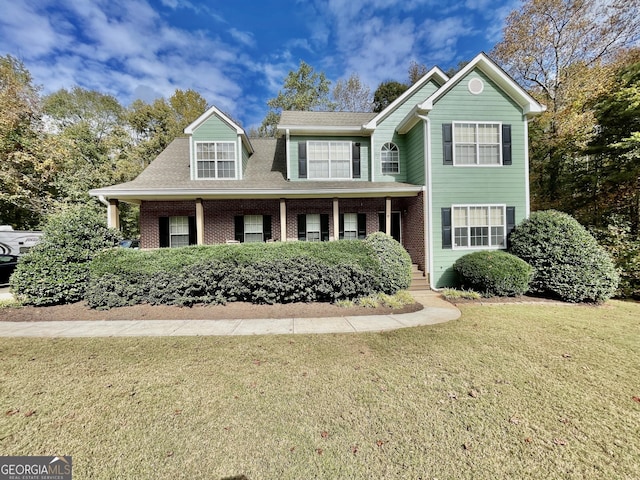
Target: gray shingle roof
{"points": [[265, 174], [325, 119]]}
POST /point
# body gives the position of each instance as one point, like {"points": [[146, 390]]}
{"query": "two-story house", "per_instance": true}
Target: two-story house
{"points": [[443, 169]]}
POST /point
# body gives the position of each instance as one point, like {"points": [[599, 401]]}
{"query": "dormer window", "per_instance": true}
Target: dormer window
{"points": [[216, 160]]}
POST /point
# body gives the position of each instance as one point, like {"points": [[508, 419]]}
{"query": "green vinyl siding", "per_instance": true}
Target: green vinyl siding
{"points": [[364, 142], [414, 146], [473, 185], [386, 132], [245, 158], [214, 129]]}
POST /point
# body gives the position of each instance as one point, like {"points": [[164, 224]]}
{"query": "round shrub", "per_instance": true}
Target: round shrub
{"points": [[494, 273], [395, 262], [568, 261], [56, 270]]}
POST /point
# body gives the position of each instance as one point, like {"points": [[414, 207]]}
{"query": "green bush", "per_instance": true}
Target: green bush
{"points": [[395, 262], [56, 270], [568, 261], [624, 248], [494, 273], [257, 273]]}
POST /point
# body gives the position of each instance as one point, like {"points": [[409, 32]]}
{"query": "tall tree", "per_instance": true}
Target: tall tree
{"points": [[560, 50], [416, 71], [28, 157], [615, 149], [352, 95], [304, 89], [156, 124], [386, 93]]}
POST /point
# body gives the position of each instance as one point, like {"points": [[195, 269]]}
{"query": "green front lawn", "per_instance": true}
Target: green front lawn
{"points": [[515, 391]]}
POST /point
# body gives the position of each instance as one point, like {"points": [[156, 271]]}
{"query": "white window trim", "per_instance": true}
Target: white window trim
{"points": [[478, 247], [476, 164], [235, 160], [319, 231], [330, 178], [382, 163], [355, 231]]}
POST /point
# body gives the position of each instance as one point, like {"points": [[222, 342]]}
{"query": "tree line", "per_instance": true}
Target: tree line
{"points": [[580, 58]]}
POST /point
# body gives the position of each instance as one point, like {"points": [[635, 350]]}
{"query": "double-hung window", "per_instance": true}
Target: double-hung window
{"points": [[253, 228], [178, 231], [216, 159], [350, 226], [313, 227], [477, 226], [331, 160], [477, 144]]}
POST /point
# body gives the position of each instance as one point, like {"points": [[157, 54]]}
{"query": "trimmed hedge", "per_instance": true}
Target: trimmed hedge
{"points": [[568, 261], [257, 273], [494, 273], [56, 270], [395, 262]]}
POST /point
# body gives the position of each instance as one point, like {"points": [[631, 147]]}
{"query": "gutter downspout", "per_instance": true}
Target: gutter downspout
{"points": [[429, 186]]}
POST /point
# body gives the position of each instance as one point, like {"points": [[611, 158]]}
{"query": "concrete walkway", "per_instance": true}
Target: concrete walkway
{"points": [[436, 310]]}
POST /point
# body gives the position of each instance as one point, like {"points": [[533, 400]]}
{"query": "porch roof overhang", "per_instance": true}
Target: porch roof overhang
{"points": [[137, 196]]}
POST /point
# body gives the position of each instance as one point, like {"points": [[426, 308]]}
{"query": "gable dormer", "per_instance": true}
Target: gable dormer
{"points": [[218, 147]]}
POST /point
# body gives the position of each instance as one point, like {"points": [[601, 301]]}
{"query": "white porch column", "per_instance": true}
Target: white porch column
{"points": [[336, 219], [113, 214], [283, 220], [199, 222], [387, 216]]}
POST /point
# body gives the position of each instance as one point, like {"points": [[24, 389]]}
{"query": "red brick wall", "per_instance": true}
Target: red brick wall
{"points": [[219, 218]]}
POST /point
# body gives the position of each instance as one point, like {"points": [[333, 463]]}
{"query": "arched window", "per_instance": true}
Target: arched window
{"points": [[390, 158]]}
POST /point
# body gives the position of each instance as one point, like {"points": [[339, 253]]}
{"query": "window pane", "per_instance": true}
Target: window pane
{"points": [[252, 237], [390, 158], [465, 133], [179, 225], [479, 236], [479, 216], [340, 169], [206, 169], [465, 154], [497, 237], [460, 216], [350, 225], [461, 237], [489, 154], [253, 224], [488, 133], [319, 169], [497, 215], [226, 169]]}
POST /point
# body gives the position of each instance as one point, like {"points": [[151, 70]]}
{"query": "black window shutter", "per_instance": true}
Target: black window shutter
{"points": [[302, 227], [381, 222], [447, 144], [324, 227], [511, 221], [506, 145], [163, 223], [341, 226], [266, 227], [445, 213], [362, 225], [193, 236], [239, 228], [355, 158], [302, 160]]}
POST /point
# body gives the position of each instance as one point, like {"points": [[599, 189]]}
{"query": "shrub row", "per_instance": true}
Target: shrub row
{"points": [[257, 273], [209, 281]]}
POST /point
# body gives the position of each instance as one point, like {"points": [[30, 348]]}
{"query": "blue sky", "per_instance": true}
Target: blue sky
{"points": [[237, 53]]}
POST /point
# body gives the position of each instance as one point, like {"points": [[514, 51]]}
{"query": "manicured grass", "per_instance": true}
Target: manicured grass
{"points": [[508, 391]]}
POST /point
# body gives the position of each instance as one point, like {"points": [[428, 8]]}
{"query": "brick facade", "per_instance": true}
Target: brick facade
{"points": [[219, 218]]}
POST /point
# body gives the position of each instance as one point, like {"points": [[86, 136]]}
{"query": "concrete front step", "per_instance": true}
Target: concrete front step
{"points": [[419, 282]]}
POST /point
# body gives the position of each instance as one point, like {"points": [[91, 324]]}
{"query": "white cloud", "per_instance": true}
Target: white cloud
{"points": [[245, 38]]}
